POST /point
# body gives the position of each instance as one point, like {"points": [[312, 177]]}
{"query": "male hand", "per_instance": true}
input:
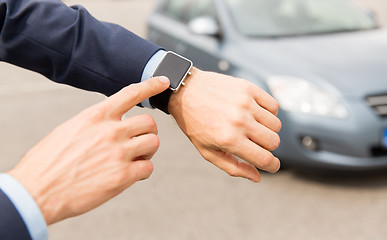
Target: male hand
{"points": [[92, 157], [226, 117]]}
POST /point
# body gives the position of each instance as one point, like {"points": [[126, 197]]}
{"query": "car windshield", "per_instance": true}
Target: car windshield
{"points": [[276, 18]]}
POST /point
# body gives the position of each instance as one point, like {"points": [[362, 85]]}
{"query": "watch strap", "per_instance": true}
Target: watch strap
{"points": [[161, 100]]}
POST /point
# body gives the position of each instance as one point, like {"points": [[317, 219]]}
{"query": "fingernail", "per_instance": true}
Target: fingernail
{"points": [[164, 80]]}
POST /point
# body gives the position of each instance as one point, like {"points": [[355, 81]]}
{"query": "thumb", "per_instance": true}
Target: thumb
{"points": [[132, 95]]}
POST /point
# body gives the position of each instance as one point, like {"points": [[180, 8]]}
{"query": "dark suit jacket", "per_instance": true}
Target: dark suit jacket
{"points": [[12, 226], [67, 45]]}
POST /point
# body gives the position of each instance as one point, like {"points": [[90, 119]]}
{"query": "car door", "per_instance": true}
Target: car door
{"points": [[168, 23], [204, 50], [170, 29]]}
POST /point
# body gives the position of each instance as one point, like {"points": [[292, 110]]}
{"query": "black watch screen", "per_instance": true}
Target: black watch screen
{"points": [[175, 67]]}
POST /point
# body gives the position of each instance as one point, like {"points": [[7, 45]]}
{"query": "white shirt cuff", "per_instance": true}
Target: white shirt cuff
{"points": [[149, 69], [26, 206]]}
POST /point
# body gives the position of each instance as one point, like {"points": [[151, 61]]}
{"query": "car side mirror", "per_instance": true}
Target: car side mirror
{"points": [[204, 25]]}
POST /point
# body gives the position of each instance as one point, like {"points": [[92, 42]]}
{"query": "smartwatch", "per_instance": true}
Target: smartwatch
{"points": [[176, 68]]}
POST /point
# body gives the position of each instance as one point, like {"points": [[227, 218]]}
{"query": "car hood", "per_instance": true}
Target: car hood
{"points": [[355, 62]]}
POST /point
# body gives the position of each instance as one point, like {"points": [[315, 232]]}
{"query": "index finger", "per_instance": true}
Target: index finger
{"points": [[134, 94]]}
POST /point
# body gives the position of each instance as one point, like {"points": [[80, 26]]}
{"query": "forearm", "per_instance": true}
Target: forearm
{"points": [[67, 45]]}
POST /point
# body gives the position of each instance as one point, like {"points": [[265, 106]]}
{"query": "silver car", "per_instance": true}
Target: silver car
{"points": [[324, 61]]}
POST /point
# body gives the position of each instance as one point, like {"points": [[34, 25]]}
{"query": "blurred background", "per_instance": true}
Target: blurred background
{"points": [[186, 197]]}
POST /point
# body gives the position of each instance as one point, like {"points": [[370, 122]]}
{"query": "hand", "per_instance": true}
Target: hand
{"points": [[92, 157], [226, 117]]}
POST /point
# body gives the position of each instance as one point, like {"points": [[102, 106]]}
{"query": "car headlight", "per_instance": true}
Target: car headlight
{"points": [[299, 95]]}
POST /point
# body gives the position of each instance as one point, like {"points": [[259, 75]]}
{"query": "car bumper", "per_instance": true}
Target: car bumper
{"points": [[349, 144]]}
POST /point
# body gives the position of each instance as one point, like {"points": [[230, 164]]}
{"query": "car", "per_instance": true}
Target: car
{"points": [[324, 61]]}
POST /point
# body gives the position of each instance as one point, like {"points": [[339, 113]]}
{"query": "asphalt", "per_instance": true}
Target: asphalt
{"points": [[186, 197]]}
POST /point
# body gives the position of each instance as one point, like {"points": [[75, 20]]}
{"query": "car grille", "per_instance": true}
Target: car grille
{"points": [[379, 104], [378, 152]]}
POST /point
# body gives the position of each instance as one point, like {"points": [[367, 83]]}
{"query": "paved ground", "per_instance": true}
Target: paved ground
{"points": [[187, 198]]}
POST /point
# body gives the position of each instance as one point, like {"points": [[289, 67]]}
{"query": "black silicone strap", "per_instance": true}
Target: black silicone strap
{"points": [[161, 100]]}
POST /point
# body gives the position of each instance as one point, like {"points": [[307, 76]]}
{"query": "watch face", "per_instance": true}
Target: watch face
{"points": [[174, 67]]}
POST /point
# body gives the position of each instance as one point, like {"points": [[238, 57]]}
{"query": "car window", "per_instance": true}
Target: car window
{"points": [[275, 18], [176, 9], [201, 8]]}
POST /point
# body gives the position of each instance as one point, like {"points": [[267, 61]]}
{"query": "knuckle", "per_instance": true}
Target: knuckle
{"points": [[148, 118], [144, 172], [226, 139], [120, 152], [94, 114], [247, 86], [244, 102], [253, 89], [275, 142], [119, 179], [152, 143], [238, 120], [133, 91], [97, 115], [266, 160], [278, 126], [113, 133], [154, 85], [149, 121], [148, 169], [154, 140], [233, 172], [275, 105], [206, 156]]}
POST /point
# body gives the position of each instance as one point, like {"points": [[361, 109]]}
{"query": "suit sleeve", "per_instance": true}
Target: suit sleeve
{"points": [[68, 45], [11, 223]]}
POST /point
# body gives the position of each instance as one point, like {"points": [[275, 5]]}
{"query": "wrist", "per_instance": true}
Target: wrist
{"points": [[177, 99], [48, 206]]}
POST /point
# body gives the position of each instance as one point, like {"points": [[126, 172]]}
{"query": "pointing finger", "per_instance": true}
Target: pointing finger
{"points": [[132, 95]]}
